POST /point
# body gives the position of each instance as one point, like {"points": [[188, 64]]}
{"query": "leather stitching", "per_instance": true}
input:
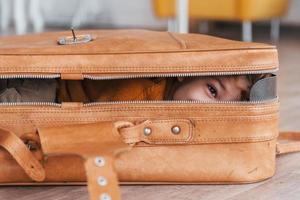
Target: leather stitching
{"points": [[271, 49], [84, 119]]}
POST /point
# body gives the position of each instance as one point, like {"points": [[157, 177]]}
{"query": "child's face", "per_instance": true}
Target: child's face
{"points": [[222, 88]]}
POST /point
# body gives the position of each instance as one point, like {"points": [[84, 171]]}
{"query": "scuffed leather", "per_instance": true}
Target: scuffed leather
{"points": [[219, 143], [17, 149], [222, 133], [119, 52], [89, 141]]}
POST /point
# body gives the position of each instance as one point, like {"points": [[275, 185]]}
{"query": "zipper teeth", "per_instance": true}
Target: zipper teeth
{"points": [[36, 76], [30, 104], [129, 76], [95, 77], [138, 102], [179, 102]]}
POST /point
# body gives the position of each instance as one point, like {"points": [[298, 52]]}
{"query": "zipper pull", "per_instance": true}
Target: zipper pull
{"points": [[66, 105], [72, 76]]}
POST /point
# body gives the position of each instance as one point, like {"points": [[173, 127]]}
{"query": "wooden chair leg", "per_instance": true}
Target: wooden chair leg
{"points": [[203, 27]]}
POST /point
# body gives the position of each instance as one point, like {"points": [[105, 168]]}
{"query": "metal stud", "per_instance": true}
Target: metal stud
{"points": [[105, 196], [102, 181], [147, 131], [176, 130], [99, 161]]}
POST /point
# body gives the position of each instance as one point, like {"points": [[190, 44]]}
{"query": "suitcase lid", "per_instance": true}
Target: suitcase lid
{"points": [[125, 53]]}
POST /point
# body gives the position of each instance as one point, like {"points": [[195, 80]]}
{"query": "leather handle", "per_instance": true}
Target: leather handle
{"points": [[98, 144], [16, 147], [288, 142]]}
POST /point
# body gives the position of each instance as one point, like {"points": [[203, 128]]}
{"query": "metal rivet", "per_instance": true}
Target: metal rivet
{"points": [[102, 181], [105, 196], [147, 131], [175, 130], [99, 161]]}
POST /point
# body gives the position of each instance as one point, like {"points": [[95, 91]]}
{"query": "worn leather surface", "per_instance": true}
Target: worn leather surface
{"points": [[218, 143], [215, 133], [19, 151], [91, 142], [132, 51]]}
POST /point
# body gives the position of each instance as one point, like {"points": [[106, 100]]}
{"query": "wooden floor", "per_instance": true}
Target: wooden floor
{"points": [[284, 185]]}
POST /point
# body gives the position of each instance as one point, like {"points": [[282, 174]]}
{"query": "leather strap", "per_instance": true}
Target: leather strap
{"points": [[98, 144], [172, 131], [19, 151], [102, 179], [288, 142]]}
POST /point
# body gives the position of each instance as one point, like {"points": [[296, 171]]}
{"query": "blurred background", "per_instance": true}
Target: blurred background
{"points": [[240, 19], [269, 21]]}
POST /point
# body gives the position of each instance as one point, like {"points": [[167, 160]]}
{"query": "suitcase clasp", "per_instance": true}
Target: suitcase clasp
{"points": [[80, 39]]}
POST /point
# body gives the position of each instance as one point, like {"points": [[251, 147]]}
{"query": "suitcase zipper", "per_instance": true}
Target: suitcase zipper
{"points": [[97, 77], [30, 104], [33, 76], [129, 76], [138, 102], [154, 75], [179, 102]]}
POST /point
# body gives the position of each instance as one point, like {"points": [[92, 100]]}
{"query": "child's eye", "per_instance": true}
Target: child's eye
{"points": [[213, 91]]}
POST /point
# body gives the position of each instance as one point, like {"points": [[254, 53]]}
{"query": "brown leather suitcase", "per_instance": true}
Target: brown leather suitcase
{"points": [[154, 142]]}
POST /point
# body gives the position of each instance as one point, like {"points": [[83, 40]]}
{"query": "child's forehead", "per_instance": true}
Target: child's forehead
{"points": [[239, 82]]}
